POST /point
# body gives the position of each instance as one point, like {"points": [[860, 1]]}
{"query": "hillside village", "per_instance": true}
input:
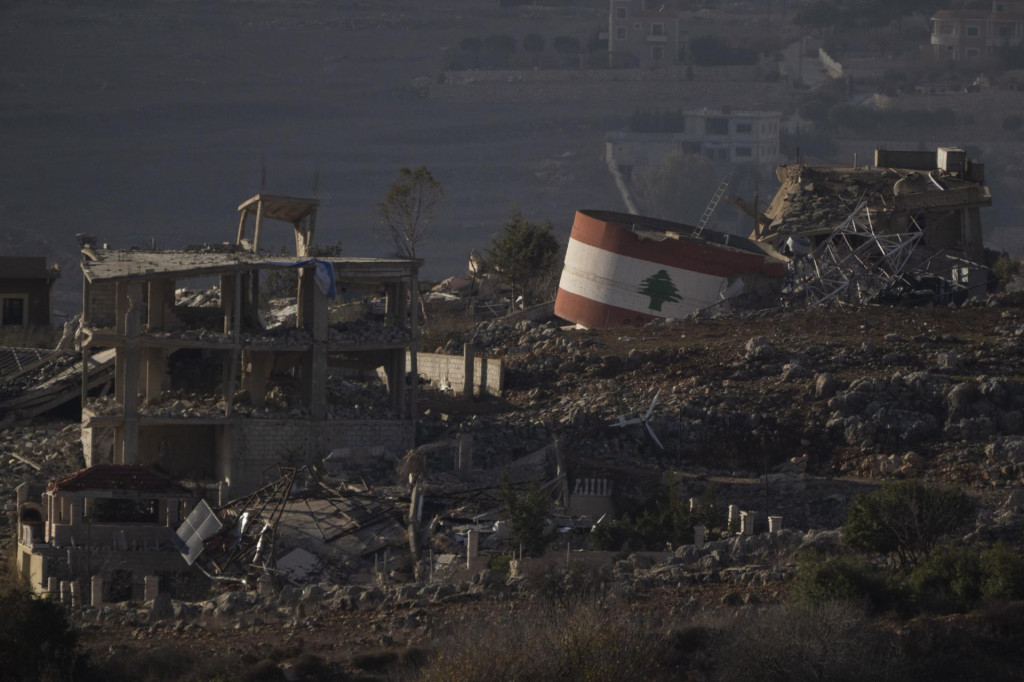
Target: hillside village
{"points": [[247, 461]]}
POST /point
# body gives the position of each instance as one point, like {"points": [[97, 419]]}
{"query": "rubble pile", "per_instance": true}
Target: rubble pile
{"points": [[366, 332], [871, 402], [812, 198], [35, 452]]}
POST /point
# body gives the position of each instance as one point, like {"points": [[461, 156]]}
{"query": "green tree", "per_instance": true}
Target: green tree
{"points": [[661, 289], [407, 212], [906, 519], [523, 255], [526, 515]]}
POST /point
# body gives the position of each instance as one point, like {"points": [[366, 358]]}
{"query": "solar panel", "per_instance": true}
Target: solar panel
{"points": [[201, 525]]}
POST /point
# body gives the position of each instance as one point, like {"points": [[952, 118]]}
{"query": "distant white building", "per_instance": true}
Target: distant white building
{"points": [[729, 138]]}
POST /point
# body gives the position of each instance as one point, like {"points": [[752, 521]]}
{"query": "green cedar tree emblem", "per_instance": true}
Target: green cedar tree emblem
{"points": [[661, 289]]}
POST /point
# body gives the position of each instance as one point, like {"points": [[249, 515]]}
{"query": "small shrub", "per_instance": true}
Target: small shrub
{"points": [[36, 639], [1006, 269], [1002, 571], [527, 515], [822, 579], [831, 641], [949, 580]]}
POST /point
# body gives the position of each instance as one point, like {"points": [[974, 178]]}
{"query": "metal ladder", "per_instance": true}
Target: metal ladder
{"points": [[712, 205]]}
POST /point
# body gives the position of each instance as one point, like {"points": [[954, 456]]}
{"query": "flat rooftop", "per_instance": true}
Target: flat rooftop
{"points": [[110, 265]]}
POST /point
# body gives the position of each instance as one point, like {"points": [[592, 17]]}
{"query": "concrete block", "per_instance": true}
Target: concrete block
{"points": [[96, 592]]}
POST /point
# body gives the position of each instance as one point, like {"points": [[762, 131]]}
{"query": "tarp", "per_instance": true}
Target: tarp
{"points": [[324, 275]]}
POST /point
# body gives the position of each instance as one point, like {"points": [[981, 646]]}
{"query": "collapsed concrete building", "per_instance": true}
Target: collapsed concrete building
{"points": [[907, 227], [854, 233], [208, 395]]}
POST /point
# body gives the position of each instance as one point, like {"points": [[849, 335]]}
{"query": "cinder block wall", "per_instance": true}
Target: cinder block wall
{"points": [[101, 304], [451, 368]]}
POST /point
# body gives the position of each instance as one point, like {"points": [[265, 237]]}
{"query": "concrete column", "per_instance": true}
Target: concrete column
{"points": [[76, 511], [465, 454], [483, 376], [693, 503], [774, 524], [96, 592], [265, 586], [467, 357], [747, 522], [151, 588], [76, 594], [472, 548], [155, 371], [699, 535], [52, 588], [161, 303], [734, 518], [65, 592]]}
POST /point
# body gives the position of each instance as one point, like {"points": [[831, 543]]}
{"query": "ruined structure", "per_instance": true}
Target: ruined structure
{"points": [[855, 233], [26, 286], [115, 522], [214, 397], [908, 227]]}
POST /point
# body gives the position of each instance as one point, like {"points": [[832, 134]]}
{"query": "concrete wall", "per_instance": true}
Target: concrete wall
{"points": [[101, 304], [451, 368], [183, 451]]}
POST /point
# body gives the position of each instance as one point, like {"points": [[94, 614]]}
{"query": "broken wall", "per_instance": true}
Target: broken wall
{"points": [[452, 369]]}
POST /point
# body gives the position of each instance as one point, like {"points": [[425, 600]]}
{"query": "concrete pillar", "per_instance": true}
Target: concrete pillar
{"points": [[76, 511], [483, 376], [472, 547], [465, 454], [96, 592], [699, 535], [693, 504], [151, 588], [774, 524], [76, 594], [265, 586], [734, 518], [65, 591], [468, 353], [52, 588], [747, 522]]}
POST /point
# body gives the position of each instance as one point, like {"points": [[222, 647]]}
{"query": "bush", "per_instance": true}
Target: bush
{"points": [[583, 643], [1002, 573], [1006, 269], [831, 641], [820, 580], [665, 520], [36, 639], [949, 580], [906, 519]]}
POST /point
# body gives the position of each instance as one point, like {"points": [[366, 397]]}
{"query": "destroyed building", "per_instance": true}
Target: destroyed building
{"points": [[207, 393], [906, 228], [855, 233], [26, 288], [210, 393]]}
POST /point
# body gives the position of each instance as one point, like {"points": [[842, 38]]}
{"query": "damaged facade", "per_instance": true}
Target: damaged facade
{"points": [[909, 224]]}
